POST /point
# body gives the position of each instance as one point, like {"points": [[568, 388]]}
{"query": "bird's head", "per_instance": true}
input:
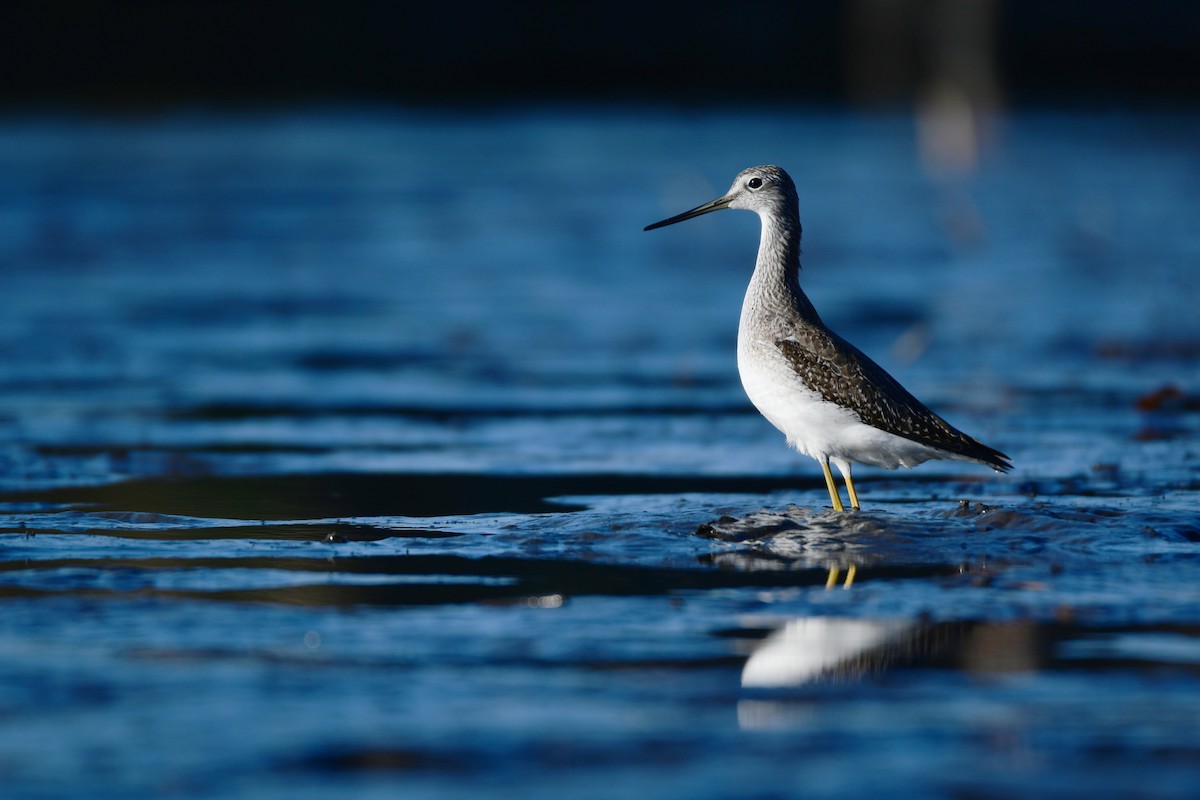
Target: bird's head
{"points": [[767, 190]]}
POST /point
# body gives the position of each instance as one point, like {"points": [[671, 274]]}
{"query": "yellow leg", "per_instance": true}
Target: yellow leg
{"points": [[832, 579], [850, 489], [832, 487]]}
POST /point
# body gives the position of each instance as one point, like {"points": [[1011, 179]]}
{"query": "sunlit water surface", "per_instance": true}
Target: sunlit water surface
{"points": [[382, 454]]}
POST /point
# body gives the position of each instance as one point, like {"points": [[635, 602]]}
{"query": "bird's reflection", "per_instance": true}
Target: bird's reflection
{"points": [[823, 648], [816, 651]]}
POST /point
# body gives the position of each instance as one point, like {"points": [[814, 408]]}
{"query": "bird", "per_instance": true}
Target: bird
{"points": [[828, 398]]}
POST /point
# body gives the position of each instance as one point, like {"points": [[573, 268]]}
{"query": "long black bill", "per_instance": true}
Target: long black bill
{"points": [[714, 205]]}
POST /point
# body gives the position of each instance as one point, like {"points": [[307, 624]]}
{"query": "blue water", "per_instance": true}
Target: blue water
{"points": [[374, 453]]}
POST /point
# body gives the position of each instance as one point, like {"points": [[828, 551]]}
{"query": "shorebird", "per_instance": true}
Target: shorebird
{"points": [[829, 399]]}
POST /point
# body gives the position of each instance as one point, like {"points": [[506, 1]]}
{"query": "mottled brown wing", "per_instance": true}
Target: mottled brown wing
{"points": [[843, 374]]}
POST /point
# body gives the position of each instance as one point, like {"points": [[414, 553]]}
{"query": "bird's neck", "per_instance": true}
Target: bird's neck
{"points": [[776, 280]]}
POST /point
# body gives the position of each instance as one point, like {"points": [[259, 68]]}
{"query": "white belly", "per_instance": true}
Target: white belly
{"points": [[812, 425]]}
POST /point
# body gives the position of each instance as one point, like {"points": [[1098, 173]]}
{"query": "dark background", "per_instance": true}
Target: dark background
{"points": [[857, 52]]}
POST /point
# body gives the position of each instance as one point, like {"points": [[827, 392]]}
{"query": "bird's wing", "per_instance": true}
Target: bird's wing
{"points": [[843, 374]]}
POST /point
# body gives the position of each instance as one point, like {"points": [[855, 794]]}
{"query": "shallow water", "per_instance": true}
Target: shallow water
{"points": [[382, 452]]}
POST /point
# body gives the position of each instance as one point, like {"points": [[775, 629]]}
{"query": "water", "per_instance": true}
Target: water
{"points": [[382, 453]]}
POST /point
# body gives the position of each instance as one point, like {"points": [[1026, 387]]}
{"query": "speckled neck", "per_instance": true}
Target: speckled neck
{"points": [[775, 286]]}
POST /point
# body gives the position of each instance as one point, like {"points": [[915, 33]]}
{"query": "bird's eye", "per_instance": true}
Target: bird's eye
{"points": [[754, 183]]}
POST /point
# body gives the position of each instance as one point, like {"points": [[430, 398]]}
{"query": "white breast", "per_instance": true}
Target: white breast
{"points": [[812, 425]]}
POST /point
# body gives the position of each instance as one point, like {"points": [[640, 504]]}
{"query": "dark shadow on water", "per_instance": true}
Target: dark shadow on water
{"points": [[342, 495], [332, 532], [411, 580]]}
